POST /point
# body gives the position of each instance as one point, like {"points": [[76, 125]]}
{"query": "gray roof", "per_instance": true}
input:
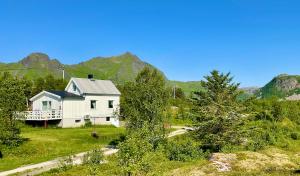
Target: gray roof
{"points": [[93, 86], [65, 94]]}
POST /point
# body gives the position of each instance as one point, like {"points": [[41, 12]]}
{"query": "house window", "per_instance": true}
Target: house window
{"points": [[110, 104], [107, 119], [77, 121], [46, 105], [74, 88], [93, 104]]}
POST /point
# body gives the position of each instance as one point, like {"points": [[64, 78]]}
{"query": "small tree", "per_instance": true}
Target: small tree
{"points": [[13, 93], [144, 102], [217, 111], [134, 152]]}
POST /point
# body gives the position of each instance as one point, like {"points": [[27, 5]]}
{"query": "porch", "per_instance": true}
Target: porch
{"points": [[40, 115]]}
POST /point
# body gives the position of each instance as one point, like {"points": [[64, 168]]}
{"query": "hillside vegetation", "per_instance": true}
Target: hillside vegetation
{"points": [[281, 86], [125, 67], [119, 69]]}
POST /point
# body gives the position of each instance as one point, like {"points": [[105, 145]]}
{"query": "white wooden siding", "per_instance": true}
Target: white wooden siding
{"points": [[70, 89], [102, 109], [55, 102]]}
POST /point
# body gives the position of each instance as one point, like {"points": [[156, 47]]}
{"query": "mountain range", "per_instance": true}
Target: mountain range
{"points": [[119, 69], [126, 66]]}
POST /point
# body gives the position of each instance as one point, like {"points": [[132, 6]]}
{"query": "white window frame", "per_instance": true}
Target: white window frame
{"points": [[48, 105]]}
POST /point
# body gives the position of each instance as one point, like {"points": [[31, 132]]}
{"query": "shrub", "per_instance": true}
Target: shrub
{"points": [[134, 156], [88, 123], [295, 136], [95, 157], [184, 150], [66, 163]]}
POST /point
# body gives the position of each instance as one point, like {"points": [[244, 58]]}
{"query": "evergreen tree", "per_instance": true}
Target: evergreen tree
{"points": [[217, 111]]}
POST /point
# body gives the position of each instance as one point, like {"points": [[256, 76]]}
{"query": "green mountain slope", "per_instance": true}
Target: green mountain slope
{"points": [[188, 86], [119, 69], [281, 86]]}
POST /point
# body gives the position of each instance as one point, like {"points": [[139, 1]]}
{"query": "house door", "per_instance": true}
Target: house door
{"points": [[46, 105]]}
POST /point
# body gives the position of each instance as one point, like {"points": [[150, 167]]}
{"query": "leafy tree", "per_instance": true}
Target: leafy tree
{"points": [[144, 101], [179, 93], [134, 153], [143, 105], [13, 93], [217, 111], [48, 83]]}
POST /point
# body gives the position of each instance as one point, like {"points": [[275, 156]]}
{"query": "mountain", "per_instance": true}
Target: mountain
{"points": [[119, 69], [282, 86], [187, 86]]}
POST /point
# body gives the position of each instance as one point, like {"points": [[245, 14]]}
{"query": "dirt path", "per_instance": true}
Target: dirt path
{"points": [[35, 169]]}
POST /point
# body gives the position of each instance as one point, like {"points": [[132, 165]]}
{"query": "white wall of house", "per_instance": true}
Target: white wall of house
{"points": [[102, 109], [55, 102], [72, 88], [74, 110]]}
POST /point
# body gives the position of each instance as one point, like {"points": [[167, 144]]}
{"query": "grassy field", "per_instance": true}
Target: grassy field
{"points": [[268, 162], [46, 144]]}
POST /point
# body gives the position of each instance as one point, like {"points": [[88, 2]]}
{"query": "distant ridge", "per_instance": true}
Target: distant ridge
{"points": [[282, 86], [119, 69]]}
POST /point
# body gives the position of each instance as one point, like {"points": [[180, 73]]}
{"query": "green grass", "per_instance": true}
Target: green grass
{"points": [[46, 144], [164, 167]]}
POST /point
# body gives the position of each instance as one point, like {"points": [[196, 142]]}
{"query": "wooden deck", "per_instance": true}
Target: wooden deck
{"points": [[40, 115]]}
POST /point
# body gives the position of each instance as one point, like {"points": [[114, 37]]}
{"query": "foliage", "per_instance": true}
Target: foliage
{"points": [[184, 150], [274, 110], [48, 83], [93, 160], [187, 87], [135, 153], [144, 102], [13, 93], [66, 163], [95, 157], [281, 87], [217, 111]]}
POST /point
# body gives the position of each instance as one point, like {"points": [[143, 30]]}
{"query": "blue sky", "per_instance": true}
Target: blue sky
{"points": [[253, 39]]}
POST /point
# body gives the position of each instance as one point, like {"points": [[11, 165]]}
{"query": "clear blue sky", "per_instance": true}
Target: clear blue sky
{"points": [[253, 39]]}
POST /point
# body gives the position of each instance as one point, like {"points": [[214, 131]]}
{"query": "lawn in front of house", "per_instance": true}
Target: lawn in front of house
{"points": [[47, 144]]}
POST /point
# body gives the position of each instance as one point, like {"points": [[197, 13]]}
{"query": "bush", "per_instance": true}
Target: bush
{"points": [[66, 163], [95, 157], [88, 123], [295, 136], [184, 150]]}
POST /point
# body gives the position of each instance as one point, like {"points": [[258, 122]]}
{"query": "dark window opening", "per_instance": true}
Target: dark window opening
{"points": [[107, 118], [93, 104], [74, 88], [110, 104], [77, 121]]}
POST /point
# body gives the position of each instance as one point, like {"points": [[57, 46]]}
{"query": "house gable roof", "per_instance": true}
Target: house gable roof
{"points": [[92, 86], [44, 92], [58, 94]]}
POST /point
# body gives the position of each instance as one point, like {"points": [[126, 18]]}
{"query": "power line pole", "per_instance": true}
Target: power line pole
{"points": [[174, 91], [63, 72]]}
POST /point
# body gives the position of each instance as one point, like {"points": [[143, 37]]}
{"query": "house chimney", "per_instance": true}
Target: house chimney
{"points": [[90, 76]]}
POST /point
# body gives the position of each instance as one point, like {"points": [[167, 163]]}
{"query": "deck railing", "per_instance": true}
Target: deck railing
{"points": [[40, 115]]}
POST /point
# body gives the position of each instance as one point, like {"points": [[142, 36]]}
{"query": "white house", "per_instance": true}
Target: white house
{"points": [[83, 100]]}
